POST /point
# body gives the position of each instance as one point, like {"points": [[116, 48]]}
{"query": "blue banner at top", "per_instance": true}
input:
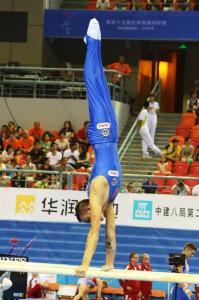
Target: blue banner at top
{"points": [[143, 25]]}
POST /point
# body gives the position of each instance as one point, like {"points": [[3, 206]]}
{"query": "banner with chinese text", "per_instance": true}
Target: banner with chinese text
{"points": [[145, 210], [143, 25]]}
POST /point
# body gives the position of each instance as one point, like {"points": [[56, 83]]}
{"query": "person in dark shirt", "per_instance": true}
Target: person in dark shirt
{"points": [[37, 154], [149, 186]]}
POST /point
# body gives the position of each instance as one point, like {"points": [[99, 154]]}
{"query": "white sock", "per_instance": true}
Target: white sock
{"points": [[94, 29]]}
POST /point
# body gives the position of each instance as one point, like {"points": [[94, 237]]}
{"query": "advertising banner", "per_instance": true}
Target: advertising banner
{"points": [[145, 210], [143, 25]]}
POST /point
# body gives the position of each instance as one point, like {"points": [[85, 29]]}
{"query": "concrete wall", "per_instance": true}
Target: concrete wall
{"points": [[53, 112], [29, 53]]}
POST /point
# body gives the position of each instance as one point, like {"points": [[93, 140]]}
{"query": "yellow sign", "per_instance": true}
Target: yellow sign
{"points": [[25, 204]]}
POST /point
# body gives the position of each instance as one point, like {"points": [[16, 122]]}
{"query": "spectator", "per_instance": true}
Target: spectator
{"points": [[134, 188], [195, 190], [46, 165], [193, 104], [37, 154], [54, 155], [180, 188], [11, 127], [152, 114], [149, 186], [26, 142], [4, 179], [4, 132], [45, 142], [12, 165], [18, 180], [29, 166], [145, 286], [43, 182], [164, 167], [34, 287], [2, 165], [103, 4], [12, 141], [36, 131], [19, 132], [83, 161], [68, 130], [7, 154], [82, 134], [196, 155], [187, 151], [53, 182], [172, 151], [132, 287], [62, 142], [121, 67], [19, 157], [72, 155], [62, 167]]}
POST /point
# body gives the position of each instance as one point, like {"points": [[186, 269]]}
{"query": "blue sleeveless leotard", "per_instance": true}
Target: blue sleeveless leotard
{"points": [[102, 132]]}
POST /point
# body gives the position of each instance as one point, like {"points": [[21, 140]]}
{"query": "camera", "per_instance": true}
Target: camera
{"points": [[176, 260]]}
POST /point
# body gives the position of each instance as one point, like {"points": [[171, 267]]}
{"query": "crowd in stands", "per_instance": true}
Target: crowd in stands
{"points": [[33, 150], [156, 5]]}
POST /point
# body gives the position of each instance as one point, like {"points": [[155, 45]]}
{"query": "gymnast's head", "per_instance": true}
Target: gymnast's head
{"points": [[82, 211]]}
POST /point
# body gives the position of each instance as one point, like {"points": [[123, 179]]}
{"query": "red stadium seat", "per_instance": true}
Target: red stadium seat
{"points": [[183, 131], [79, 182], [188, 120], [180, 168], [169, 183], [160, 183], [54, 135], [195, 135], [194, 168]]}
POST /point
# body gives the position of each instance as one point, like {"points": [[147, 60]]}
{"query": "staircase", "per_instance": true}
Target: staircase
{"points": [[132, 162]]}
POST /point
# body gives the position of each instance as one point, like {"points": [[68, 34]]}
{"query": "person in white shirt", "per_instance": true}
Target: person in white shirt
{"points": [[147, 141], [195, 190], [54, 155], [72, 155], [152, 115]]}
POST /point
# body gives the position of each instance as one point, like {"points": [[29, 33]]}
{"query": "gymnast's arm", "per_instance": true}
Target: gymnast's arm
{"points": [[98, 196]]}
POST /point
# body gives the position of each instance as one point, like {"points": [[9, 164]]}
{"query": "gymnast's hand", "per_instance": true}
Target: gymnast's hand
{"points": [[81, 271]]}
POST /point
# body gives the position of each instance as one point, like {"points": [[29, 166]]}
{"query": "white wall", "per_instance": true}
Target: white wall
{"points": [[53, 112]]}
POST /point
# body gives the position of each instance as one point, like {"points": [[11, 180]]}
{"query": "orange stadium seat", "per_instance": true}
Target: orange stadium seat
{"points": [[183, 131], [180, 168], [195, 135], [188, 120], [194, 168]]}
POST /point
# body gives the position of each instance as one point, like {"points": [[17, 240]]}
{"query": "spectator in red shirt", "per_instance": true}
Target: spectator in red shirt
{"points": [[26, 142], [121, 67], [145, 286], [82, 134], [34, 287], [132, 287], [36, 131], [12, 141]]}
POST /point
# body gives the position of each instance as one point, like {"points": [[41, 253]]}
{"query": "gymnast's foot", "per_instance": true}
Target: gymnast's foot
{"points": [[107, 268], [93, 30]]}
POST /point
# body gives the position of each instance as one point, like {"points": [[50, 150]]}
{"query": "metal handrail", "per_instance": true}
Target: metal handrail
{"points": [[127, 141]]}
